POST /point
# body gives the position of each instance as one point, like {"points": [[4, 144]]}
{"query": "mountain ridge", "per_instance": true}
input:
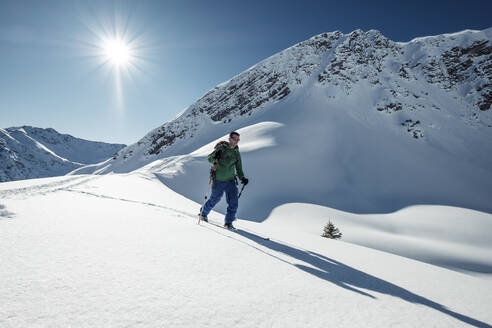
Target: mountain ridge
{"points": [[31, 152]]}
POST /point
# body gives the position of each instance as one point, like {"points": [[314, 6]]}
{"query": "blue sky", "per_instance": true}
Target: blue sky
{"points": [[52, 72]]}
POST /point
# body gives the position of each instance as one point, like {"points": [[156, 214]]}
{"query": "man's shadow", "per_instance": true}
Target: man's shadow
{"points": [[349, 278]]}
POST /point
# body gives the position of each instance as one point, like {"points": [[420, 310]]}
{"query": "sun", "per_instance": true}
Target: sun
{"points": [[116, 47], [117, 52]]}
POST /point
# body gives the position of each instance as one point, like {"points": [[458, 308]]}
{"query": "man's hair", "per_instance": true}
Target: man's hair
{"points": [[233, 133]]}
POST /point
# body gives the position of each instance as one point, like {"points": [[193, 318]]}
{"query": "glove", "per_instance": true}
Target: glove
{"points": [[244, 181], [218, 154]]}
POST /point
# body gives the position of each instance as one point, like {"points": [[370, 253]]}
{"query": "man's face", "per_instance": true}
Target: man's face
{"points": [[234, 140]]}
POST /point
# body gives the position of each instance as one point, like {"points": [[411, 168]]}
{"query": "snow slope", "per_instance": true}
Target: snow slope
{"points": [[453, 237], [126, 251], [28, 152], [355, 122]]}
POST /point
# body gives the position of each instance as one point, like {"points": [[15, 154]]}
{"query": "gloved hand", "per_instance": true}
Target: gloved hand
{"points": [[244, 181], [218, 154]]}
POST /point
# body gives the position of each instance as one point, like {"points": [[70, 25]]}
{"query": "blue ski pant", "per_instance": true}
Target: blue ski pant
{"points": [[218, 189]]}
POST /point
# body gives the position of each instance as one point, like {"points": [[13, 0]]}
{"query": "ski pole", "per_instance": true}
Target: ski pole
{"points": [[241, 191], [210, 181], [206, 198]]}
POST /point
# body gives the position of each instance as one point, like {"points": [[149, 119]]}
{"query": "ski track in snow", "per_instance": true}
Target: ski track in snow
{"points": [[47, 187], [129, 200], [181, 213], [69, 184]]}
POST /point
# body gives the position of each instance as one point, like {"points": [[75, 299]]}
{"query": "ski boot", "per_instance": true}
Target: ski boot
{"points": [[202, 218]]}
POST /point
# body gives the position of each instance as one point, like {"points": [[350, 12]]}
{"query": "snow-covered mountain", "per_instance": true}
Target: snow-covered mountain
{"points": [[352, 121], [28, 152]]}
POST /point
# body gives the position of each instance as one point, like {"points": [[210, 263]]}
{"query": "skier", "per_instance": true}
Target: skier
{"points": [[227, 161]]}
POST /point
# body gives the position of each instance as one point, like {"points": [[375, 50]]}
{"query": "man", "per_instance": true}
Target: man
{"points": [[227, 162]]}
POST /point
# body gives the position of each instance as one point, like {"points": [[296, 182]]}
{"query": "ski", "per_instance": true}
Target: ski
{"points": [[238, 230]]}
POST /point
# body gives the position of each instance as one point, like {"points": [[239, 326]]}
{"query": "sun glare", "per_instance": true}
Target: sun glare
{"points": [[117, 52], [117, 46]]}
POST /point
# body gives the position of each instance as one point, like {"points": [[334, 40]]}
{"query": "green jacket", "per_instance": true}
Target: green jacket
{"points": [[230, 160]]}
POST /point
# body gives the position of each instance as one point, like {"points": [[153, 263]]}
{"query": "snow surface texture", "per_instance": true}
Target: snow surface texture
{"points": [[126, 251], [354, 121], [28, 152]]}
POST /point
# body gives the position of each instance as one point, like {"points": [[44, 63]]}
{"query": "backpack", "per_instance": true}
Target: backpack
{"points": [[224, 144], [220, 144]]}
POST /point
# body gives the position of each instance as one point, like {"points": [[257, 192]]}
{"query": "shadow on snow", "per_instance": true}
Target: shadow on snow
{"points": [[349, 278]]}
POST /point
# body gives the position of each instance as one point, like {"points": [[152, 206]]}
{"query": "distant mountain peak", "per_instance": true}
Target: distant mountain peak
{"points": [[30, 152]]}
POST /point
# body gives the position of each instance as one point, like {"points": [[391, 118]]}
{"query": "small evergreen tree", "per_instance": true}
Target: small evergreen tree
{"points": [[330, 231]]}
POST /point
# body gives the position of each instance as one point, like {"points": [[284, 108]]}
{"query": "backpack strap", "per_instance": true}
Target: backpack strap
{"points": [[236, 152]]}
